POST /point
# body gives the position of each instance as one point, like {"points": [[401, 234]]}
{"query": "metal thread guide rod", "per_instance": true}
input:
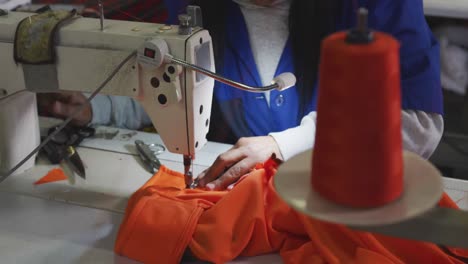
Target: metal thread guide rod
{"points": [[101, 14]]}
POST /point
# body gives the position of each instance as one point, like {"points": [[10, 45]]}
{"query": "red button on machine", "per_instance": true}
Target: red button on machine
{"points": [[149, 53]]}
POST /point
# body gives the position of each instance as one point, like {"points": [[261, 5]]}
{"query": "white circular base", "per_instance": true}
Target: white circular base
{"points": [[422, 190]]}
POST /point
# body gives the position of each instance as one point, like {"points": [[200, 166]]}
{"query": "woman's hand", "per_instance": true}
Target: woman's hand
{"points": [[64, 104], [237, 161]]}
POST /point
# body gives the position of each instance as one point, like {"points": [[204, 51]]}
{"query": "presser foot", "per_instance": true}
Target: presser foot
{"points": [[194, 184], [190, 183], [188, 179]]}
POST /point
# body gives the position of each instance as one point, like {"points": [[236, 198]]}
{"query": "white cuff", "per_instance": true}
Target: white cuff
{"points": [[421, 132], [297, 139]]}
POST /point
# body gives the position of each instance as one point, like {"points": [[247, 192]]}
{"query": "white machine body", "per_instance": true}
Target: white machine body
{"points": [[177, 100]]}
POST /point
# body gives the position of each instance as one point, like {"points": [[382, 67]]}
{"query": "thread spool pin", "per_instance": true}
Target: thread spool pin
{"points": [[361, 34], [362, 20], [101, 14], [184, 24]]}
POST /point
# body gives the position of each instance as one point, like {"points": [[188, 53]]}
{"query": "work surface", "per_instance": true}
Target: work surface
{"points": [[68, 222], [77, 221]]}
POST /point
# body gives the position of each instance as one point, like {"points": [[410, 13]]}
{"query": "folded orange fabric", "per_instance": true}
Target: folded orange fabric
{"points": [[163, 219]]}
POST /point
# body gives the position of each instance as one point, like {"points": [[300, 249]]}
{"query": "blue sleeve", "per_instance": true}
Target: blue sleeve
{"points": [[419, 51]]}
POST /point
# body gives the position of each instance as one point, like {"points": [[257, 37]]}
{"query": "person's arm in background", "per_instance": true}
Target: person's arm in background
{"points": [[107, 110]]}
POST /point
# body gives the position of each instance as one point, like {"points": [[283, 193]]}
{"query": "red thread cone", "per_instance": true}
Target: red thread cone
{"points": [[357, 157]]}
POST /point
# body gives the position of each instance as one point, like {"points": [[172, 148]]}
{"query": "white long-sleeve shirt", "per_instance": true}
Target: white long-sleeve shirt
{"points": [[268, 33]]}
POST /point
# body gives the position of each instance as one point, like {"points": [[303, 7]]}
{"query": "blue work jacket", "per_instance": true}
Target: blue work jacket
{"points": [[248, 114]]}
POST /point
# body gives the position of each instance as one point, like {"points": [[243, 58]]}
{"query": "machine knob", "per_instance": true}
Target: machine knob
{"points": [[184, 25]]}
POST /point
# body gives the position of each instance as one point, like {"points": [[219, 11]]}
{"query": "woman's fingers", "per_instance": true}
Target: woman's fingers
{"points": [[232, 175], [238, 161], [223, 162]]}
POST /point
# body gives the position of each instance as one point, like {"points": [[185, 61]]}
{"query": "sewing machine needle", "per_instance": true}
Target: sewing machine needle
{"points": [[194, 183], [188, 173]]}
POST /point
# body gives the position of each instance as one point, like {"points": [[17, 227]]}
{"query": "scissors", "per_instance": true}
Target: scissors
{"points": [[61, 147], [148, 153]]}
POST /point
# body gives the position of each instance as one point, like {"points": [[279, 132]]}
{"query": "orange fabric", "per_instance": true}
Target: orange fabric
{"points": [[52, 176], [354, 129], [163, 219]]}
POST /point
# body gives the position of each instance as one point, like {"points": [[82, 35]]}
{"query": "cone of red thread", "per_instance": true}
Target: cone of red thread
{"points": [[357, 157]]}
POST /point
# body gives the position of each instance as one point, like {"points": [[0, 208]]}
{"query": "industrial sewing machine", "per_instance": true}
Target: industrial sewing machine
{"points": [[168, 76]]}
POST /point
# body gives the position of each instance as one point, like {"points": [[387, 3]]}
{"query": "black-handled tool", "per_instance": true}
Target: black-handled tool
{"points": [[61, 147]]}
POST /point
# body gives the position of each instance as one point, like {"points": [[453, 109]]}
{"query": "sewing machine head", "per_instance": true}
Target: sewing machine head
{"points": [[177, 100]]}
